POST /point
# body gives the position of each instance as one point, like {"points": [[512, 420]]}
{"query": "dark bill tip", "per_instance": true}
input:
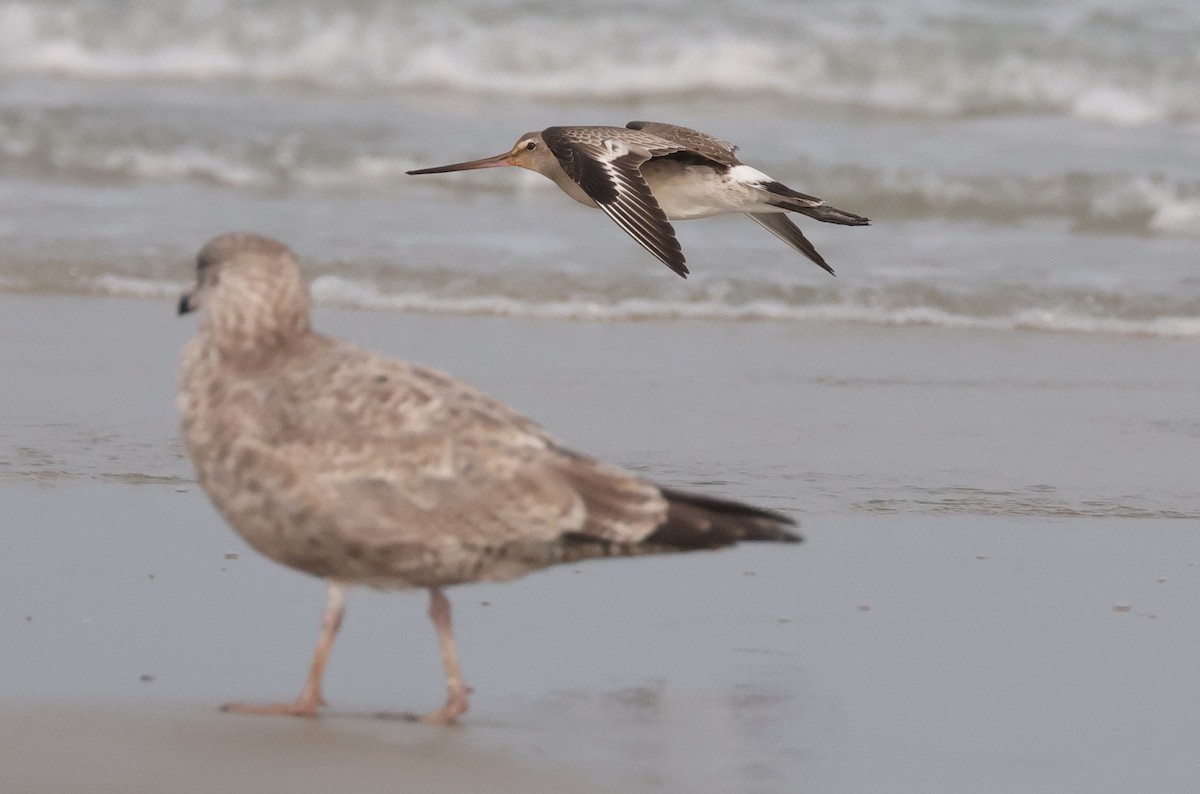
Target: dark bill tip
{"points": [[487, 162], [184, 305]]}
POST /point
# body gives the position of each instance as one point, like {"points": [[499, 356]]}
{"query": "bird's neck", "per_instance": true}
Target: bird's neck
{"points": [[259, 323], [568, 185]]}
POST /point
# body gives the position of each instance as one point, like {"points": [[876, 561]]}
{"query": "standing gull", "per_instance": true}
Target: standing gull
{"points": [[646, 174], [362, 469]]}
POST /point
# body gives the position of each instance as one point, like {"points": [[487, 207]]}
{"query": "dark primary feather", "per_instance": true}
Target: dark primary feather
{"points": [[617, 186], [782, 227], [580, 165], [647, 224]]}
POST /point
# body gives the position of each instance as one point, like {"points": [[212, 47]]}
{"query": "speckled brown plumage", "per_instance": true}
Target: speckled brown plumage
{"points": [[361, 469], [699, 143]]}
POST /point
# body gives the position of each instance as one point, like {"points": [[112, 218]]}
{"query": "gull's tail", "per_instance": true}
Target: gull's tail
{"points": [[698, 522]]}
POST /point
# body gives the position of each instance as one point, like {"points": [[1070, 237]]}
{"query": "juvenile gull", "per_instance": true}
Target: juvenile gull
{"points": [[646, 174], [362, 469]]}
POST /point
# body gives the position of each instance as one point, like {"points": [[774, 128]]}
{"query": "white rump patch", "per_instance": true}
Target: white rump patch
{"points": [[746, 175]]}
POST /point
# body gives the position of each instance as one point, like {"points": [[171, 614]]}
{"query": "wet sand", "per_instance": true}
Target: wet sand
{"points": [[999, 591]]}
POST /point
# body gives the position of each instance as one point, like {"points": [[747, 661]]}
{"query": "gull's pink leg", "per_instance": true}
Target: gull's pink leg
{"points": [[310, 699], [457, 691]]}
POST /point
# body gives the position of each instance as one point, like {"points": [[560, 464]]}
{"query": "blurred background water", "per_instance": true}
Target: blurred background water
{"points": [[1026, 165]]}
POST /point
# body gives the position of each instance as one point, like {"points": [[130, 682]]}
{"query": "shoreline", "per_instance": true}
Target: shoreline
{"points": [[336, 293]]}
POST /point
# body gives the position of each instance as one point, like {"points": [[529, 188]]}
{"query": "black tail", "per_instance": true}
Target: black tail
{"points": [[830, 214], [811, 206], [702, 522]]}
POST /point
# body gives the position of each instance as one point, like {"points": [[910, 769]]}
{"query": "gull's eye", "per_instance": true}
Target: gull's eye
{"points": [[531, 146]]}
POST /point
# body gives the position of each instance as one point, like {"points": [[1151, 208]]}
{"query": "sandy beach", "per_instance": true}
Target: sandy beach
{"points": [[998, 592]]}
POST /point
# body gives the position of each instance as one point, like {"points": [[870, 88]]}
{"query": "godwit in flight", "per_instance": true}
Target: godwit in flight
{"points": [[646, 174]]}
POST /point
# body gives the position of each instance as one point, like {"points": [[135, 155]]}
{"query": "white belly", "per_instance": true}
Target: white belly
{"points": [[697, 191]]}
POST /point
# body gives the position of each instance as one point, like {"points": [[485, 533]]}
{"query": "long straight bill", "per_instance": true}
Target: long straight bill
{"points": [[486, 162]]}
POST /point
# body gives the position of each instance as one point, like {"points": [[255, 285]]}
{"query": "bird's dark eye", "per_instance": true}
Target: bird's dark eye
{"points": [[531, 145]]}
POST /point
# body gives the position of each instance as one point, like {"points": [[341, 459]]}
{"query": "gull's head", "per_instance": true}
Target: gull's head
{"points": [[528, 152], [249, 291]]}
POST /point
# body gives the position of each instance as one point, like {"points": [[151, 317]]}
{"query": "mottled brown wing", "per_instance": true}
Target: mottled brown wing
{"points": [[606, 162], [355, 467], [694, 141], [397, 453]]}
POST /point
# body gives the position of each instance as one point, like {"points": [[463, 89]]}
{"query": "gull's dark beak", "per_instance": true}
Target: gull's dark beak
{"points": [[185, 302], [486, 162]]}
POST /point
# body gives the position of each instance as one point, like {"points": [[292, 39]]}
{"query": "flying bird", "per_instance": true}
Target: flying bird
{"points": [[646, 174], [366, 470]]}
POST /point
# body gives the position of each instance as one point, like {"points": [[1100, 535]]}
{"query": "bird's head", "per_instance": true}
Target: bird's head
{"points": [[249, 291]]}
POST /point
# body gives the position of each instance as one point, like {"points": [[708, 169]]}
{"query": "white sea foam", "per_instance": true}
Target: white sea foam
{"points": [[1161, 206], [1119, 106], [1117, 68], [107, 150], [133, 287], [1074, 314], [338, 290], [188, 162], [1177, 215]]}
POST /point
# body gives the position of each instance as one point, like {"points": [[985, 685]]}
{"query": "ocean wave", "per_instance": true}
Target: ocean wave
{"points": [[1112, 65], [904, 303], [1112, 202], [113, 148], [133, 286], [54, 145]]}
